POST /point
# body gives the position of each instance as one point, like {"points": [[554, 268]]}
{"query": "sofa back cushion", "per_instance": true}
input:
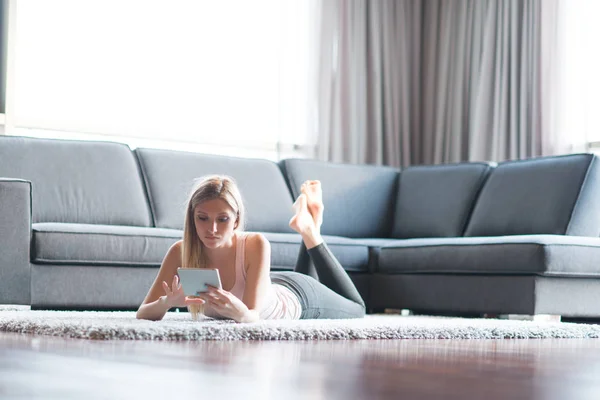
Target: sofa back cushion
{"points": [[170, 176], [546, 195], [437, 200], [359, 199], [78, 181]]}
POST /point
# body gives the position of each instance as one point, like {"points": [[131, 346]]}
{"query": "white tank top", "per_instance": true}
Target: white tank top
{"points": [[279, 302]]}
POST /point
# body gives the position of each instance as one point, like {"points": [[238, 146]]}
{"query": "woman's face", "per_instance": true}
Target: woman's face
{"points": [[215, 222]]}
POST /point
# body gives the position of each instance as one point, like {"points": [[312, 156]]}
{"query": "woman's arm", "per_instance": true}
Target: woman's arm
{"points": [[156, 304]]}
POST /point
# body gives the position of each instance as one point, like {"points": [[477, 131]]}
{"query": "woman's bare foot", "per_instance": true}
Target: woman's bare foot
{"points": [[303, 223], [314, 200]]}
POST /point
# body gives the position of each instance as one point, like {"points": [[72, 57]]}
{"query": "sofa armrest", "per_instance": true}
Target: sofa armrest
{"points": [[15, 239]]}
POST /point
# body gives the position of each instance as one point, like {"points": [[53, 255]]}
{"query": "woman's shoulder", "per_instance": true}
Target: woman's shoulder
{"points": [[173, 257], [257, 250], [255, 240], [177, 245], [175, 250]]}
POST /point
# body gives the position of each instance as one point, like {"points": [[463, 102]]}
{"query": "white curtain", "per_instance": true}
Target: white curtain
{"points": [[483, 96], [412, 82], [369, 81]]}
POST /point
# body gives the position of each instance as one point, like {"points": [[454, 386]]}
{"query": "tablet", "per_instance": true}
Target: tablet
{"points": [[194, 280]]}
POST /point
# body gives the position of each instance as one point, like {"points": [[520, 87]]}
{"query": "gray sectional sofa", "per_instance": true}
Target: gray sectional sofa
{"points": [[84, 225]]}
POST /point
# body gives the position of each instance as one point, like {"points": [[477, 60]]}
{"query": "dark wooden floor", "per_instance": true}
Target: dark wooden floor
{"points": [[55, 368]]}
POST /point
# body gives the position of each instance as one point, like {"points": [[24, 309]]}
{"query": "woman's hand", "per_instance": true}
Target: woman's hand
{"points": [[226, 304], [175, 296]]}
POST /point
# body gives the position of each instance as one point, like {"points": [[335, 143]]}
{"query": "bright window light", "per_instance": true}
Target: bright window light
{"points": [[222, 73], [580, 103]]}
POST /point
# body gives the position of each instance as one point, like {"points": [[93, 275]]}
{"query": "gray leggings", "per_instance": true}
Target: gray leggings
{"points": [[322, 285]]}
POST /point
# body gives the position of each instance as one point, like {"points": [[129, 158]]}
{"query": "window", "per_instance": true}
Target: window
{"points": [[580, 103], [218, 76]]}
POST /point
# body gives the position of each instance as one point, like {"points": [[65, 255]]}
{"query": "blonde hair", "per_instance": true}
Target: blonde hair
{"points": [[192, 249]]}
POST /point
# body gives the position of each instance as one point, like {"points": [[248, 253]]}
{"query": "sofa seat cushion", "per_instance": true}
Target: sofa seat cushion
{"points": [[377, 243], [84, 244], [80, 244], [549, 255], [375, 246], [351, 253]]}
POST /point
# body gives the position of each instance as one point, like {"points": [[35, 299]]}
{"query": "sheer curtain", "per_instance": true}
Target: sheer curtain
{"points": [[411, 82], [232, 76], [487, 79], [368, 110]]}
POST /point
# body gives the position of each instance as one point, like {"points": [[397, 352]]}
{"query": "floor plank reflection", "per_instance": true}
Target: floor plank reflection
{"points": [[49, 367]]}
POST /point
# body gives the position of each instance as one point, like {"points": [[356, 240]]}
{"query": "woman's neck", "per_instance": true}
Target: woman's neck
{"points": [[220, 254]]}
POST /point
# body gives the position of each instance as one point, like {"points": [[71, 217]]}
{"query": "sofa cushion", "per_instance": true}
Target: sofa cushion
{"points": [[437, 200], [170, 176], [78, 181], [79, 244], [377, 242], [553, 255], [549, 195], [83, 244], [375, 246], [352, 255], [359, 199]]}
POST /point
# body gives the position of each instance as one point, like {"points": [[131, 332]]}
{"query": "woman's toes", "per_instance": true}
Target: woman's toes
{"points": [[314, 191], [314, 196]]}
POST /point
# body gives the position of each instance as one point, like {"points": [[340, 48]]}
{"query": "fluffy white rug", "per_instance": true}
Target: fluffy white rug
{"points": [[180, 326]]}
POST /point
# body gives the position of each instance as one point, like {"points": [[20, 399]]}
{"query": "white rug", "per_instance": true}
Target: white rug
{"points": [[180, 326]]}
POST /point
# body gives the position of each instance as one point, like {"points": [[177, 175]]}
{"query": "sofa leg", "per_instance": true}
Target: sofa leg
{"points": [[536, 317]]}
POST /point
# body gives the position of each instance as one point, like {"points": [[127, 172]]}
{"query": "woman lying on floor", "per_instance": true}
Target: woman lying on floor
{"points": [[213, 237]]}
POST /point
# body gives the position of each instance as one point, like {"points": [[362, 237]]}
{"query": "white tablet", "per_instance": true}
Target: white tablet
{"points": [[194, 281]]}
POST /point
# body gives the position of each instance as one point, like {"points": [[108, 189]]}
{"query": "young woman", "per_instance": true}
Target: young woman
{"points": [[213, 237]]}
